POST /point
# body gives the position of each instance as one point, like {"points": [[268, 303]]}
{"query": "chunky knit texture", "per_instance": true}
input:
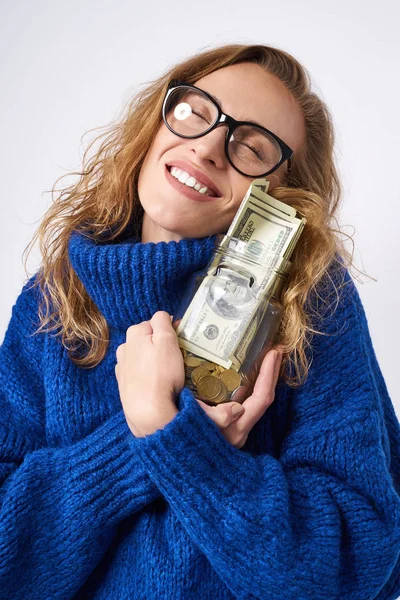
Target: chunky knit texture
{"points": [[308, 509]]}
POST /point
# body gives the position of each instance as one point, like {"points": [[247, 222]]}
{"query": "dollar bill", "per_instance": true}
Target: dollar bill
{"points": [[224, 314], [213, 325]]}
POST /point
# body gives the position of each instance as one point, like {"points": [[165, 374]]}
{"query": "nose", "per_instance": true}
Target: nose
{"points": [[211, 147]]}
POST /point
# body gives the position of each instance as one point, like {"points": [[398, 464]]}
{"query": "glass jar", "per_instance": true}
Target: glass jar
{"points": [[229, 318]]}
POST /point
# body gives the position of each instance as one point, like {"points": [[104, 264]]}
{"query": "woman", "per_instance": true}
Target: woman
{"points": [[116, 482]]}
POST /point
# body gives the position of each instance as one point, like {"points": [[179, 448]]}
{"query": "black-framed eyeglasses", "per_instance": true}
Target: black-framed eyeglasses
{"points": [[252, 150]]}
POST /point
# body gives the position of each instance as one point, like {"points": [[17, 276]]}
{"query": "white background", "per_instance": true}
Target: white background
{"points": [[69, 66]]}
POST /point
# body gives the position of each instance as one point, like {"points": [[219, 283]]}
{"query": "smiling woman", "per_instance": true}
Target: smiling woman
{"points": [[219, 156], [107, 461]]}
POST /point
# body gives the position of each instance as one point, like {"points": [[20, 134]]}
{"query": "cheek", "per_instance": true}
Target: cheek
{"points": [[239, 189], [160, 144]]}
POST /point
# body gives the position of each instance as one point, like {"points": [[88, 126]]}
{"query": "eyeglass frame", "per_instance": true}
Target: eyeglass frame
{"points": [[223, 118]]}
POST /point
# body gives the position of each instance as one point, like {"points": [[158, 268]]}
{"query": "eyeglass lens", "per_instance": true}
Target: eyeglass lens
{"points": [[252, 150]]}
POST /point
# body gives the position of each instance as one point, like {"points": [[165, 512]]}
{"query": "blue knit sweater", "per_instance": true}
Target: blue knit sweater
{"points": [[308, 509]]}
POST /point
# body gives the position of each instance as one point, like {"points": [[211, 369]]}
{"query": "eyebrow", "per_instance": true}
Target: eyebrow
{"points": [[218, 101]]}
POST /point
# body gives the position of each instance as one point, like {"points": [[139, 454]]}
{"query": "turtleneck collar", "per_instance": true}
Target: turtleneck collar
{"points": [[129, 281]]}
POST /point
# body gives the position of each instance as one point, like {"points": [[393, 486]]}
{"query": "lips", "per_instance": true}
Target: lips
{"points": [[201, 177]]}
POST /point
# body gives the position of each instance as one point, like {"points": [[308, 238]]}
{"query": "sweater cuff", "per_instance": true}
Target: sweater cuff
{"points": [[190, 455], [108, 475]]}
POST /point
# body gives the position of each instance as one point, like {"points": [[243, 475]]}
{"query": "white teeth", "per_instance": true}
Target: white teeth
{"points": [[183, 177], [189, 180]]}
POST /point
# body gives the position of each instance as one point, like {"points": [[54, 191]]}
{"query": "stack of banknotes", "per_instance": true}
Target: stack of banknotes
{"points": [[223, 317]]}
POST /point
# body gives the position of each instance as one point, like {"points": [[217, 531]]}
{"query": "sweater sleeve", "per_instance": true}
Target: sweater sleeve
{"points": [[59, 507], [321, 521]]}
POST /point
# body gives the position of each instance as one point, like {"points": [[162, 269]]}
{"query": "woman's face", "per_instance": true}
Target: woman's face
{"points": [[247, 93]]}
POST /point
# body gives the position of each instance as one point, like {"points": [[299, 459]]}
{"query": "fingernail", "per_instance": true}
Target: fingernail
{"points": [[237, 410]]}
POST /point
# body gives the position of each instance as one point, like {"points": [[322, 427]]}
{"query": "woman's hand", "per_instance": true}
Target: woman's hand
{"points": [[236, 428], [150, 374]]}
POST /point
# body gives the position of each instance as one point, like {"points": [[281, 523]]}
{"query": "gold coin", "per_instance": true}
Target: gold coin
{"points": [[208, 365], [222, 396], [183, 351], [231, 379], [192, 361], [198, 373], [209, 387]]}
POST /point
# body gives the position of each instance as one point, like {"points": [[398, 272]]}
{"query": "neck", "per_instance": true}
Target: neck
{"points": [[151, 232]]}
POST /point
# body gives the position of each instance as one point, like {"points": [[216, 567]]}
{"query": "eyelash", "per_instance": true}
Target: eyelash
{"points": [[255, 151], [253, 148]]}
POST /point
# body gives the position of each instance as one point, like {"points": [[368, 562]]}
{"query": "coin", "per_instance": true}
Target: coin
{"points": [[208, 365], [192, 361], [209, 387], [222, 396], [231, 379], [198, 373]]}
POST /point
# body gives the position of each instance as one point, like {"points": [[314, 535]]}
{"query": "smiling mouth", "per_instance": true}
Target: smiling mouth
{"points": [[209, 192]]}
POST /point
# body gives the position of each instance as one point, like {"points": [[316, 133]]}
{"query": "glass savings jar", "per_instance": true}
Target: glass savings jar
{"points": [[229, 318]]}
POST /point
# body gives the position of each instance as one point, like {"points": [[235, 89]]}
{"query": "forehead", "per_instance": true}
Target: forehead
{"points": [[248, 93]]}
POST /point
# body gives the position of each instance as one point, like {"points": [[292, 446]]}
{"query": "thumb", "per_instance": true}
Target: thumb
{"points": [[229, 412], [223, 414], [236, 410]]}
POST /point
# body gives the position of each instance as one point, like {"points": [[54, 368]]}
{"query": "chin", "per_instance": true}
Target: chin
{"points": [[172, 220]]}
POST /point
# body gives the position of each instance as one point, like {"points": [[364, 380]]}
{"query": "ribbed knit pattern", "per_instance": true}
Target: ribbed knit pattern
{"points": [[114, 273], [308, 509]]}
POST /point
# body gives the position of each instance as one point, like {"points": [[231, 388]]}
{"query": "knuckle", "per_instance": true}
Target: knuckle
{"points": [[161, 314], [120, 351], [220, 417], [166, 333], [224, 417], [130, 332], [165, 337]]}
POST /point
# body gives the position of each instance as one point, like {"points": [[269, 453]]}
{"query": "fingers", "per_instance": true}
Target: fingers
{"points": [[271, 364], [175, 323], [120, 351], [264, 389], [223, 414], [161, 320], [163, 330], [143, 328]]}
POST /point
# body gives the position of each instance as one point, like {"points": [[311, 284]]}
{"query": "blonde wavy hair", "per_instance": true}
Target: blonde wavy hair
{"points": [[106, 197]]}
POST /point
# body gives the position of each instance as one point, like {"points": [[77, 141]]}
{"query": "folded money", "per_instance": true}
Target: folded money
{"points": [[233, 314]]}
